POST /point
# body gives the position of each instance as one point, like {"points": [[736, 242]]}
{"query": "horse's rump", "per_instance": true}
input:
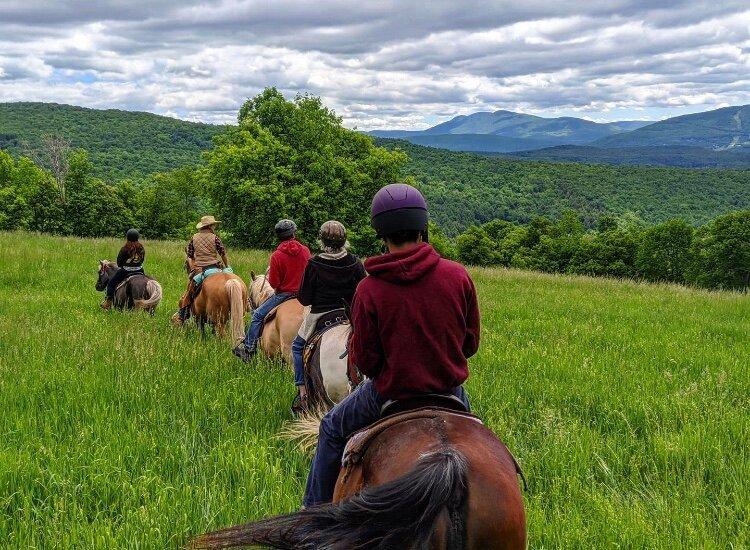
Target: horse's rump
{"points": [[325, 363], [223, 296], [443, 481]]}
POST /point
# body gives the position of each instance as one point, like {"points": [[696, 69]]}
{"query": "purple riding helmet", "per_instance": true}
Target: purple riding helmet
{"points": [[399, 207]]}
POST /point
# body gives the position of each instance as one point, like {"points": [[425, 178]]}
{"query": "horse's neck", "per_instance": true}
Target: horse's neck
{"points": [[262, 290]]}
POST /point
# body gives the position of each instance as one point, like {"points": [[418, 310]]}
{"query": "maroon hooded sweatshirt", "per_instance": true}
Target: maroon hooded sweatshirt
{"points": [[287, 265], [416, 322]]}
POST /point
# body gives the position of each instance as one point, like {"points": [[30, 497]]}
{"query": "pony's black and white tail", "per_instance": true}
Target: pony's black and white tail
{"points": [[154, 296], [398, 514]]}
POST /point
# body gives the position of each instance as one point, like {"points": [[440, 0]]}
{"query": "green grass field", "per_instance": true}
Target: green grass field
{"points": [[627, 406]]}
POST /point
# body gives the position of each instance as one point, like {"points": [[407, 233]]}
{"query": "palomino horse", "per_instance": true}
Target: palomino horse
{"points": [[137, 292], [223, 296], [279, 333], [435, 479]]}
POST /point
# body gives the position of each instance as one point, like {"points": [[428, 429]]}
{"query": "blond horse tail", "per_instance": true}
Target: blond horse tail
{"points": [[303, 431], [154, 296], [237, 310]]}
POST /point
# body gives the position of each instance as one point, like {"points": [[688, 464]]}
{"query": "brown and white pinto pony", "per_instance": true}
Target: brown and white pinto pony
{"points": [[223, 296], [137, 292], [278, 334], [439, 482]]}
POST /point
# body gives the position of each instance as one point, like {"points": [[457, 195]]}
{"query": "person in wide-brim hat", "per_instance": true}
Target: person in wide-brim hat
{"points": [[206, 221], [204, 251]]}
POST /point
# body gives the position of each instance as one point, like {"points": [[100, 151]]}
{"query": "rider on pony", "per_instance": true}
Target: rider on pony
{"points": [[415, 322], [285, 271], [204, 251], [130, 261], [328, 284]]}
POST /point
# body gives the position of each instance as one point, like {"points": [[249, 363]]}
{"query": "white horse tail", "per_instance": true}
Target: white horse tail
{"points": [[154, 296], [237, 309]]}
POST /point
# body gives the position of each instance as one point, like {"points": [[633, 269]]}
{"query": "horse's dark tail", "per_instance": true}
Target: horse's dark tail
{"points": [[398, 514]]}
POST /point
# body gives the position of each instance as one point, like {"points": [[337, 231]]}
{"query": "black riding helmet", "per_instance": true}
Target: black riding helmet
{"points": [[132, 235]]}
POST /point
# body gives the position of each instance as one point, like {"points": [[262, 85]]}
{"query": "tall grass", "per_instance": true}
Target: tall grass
{"points": [[627, 406]]}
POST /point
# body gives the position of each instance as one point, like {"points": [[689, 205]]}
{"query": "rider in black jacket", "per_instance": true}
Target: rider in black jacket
{"points": [[329, 282]]}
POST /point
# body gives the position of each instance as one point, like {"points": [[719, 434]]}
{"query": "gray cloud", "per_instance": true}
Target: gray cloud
{"points": [[392, 63]]}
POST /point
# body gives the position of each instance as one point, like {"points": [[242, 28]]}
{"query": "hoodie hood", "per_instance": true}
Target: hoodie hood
{"points": [[404, 267], [292, 247]]}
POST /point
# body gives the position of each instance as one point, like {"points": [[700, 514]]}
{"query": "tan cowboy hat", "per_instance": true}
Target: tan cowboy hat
{"points": [[206, 221]]}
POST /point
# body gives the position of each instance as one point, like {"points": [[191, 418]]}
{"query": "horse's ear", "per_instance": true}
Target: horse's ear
{"points": [[252, 275]]}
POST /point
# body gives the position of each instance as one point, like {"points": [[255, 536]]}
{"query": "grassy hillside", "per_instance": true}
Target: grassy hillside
{"points": [[122, 144], [465, 188], [625, 404]]}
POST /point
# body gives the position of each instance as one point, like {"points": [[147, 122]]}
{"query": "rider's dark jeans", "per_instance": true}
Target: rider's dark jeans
{"points": [[358, 410], [298, 350], [119, 276], [259, 315]]}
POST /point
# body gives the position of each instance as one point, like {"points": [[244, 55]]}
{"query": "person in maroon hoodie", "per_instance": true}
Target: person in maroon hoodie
{"points": [[285, 272], [415, 322]]}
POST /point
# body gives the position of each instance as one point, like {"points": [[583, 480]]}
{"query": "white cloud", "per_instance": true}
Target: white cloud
{"points": [[390, 64]]}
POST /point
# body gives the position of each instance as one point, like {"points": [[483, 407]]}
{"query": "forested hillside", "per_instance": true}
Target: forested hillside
{"points": [[725, 128], [465, 189], [121, 144], [672, 155]]}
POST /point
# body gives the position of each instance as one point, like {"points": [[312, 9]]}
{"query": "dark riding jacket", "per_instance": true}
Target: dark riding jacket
{"points": [[131, 258], [329, 284]]}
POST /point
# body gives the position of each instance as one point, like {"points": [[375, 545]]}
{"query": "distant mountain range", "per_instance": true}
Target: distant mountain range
{"points": [[697, 140]]}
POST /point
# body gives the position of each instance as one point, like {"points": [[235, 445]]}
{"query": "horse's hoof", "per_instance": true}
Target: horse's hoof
{"points": [[242, 352], [176, 320]]}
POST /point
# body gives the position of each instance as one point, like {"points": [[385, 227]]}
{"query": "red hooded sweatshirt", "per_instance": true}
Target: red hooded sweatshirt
{"points": [[416, 322], [287, 266]]}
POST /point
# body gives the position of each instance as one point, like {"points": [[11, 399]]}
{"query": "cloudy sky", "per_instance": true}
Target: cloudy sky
{"points": [[381, 64]]}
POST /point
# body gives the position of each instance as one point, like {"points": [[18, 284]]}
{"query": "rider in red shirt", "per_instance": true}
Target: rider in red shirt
{"points": [[415, 321], [286, 267]]}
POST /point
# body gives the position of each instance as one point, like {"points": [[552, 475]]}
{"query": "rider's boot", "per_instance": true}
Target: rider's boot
{"points": [[180, 316], [243, 352], [299, 404]]}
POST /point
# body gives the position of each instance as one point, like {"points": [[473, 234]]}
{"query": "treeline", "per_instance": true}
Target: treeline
{"points": [[285, 158], [715, 255], [295, 159], [465, 189], [78, 203]]}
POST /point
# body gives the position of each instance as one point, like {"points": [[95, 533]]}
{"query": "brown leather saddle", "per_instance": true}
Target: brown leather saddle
{"points": [[360, 441]]}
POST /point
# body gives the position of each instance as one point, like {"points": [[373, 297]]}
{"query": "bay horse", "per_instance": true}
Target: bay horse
{"points": [[223, 296], [279, 333], [137, 291], [434, 480]]}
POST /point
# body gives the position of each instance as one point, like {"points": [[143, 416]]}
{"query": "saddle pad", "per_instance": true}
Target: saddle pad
{"points": [[200, 277], [360, 441]]}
